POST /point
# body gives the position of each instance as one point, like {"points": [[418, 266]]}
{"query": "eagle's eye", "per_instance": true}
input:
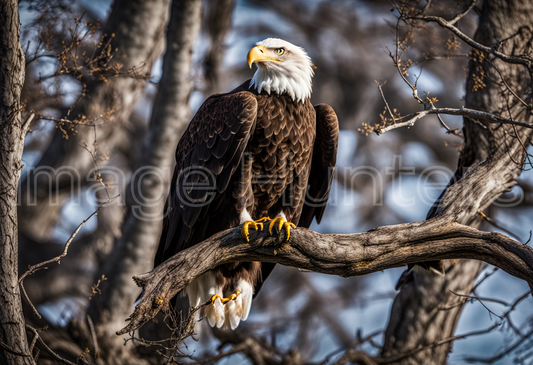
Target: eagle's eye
{"points": [[279, 51]]}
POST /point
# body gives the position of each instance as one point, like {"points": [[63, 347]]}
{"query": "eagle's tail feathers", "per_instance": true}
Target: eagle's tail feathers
{"points": [[192, 292], [239, 308], [215, 313], [247, 292], [222, 312], [200, 291], [233, 313]]}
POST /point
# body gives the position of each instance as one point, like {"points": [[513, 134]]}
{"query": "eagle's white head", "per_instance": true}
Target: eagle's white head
{"points": [[282, 67]]}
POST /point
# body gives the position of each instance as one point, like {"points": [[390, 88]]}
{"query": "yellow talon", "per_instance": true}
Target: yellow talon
{"points": [[272, 223], [282, 223], [288, 226], [214, 297], [245, 230], [228, 299]]}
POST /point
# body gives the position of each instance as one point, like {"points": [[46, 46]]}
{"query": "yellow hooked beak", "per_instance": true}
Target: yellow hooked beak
{"points": [[258, 54]]}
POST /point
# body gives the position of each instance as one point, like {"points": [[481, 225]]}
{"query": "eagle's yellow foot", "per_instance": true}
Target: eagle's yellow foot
{"points": [[281, 223], [256, 225], [228, 299]]}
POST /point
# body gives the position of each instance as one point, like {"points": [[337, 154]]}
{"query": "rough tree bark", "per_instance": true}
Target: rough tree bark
{"points": [[136, 29], [136, 248], [417, 318], [336, 254], [13, 340]]}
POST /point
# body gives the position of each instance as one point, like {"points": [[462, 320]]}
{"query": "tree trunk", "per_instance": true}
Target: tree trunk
{"points": [[217, 24], [135, 250], [13, 340], [136, 29], [418, 317]]}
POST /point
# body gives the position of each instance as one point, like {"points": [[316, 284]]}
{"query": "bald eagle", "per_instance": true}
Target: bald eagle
{"points": [[259, 151]]}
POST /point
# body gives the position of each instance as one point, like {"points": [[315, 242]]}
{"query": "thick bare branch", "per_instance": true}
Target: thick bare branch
{"points": [[345, 255]]}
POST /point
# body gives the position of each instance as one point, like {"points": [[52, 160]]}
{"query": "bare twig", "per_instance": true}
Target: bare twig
{"points": [[493, 223], [450, 26], [485, 277], [461, 15], [11, 351], [501, 354], [27, 122], [32, 269], [356, 357], [180, 328], [393, 359], [45, 346], [380, 87], [471, 113], [93, 336], [522, 101], [478, 299]]}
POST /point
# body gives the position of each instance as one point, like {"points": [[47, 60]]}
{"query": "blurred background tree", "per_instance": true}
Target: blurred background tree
{"points": [[112, 86]]}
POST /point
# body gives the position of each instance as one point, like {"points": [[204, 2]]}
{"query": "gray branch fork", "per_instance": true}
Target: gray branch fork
{"points": [[335, 254]]}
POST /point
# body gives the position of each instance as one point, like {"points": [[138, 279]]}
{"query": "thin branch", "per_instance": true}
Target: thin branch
{"points": [[449, 25], [478, 299], [93, 336], [180, 328], [380, 87], [399, 357], [27, 122], [11, 351], [485, 277], [493, 223], [507, 316], [61, 121], [465, 112], [437, 57], [356, 357], [522, 101], [425, 7], [45, 346], [397, 59], [523, 146], [501, 354], [460, 15], [448, 130], [366, 359], [32, 269]]}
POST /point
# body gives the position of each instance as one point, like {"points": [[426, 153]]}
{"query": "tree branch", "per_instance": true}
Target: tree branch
{"points": [[528, 63], [336, 254], [472, 113], [32, 269]]}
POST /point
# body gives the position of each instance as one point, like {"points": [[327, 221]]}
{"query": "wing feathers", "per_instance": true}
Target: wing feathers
{"points": [[212, 146], [322, 166]]}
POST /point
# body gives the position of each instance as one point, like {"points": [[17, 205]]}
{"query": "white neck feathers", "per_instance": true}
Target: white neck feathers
{"points": [[292, 76]]}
